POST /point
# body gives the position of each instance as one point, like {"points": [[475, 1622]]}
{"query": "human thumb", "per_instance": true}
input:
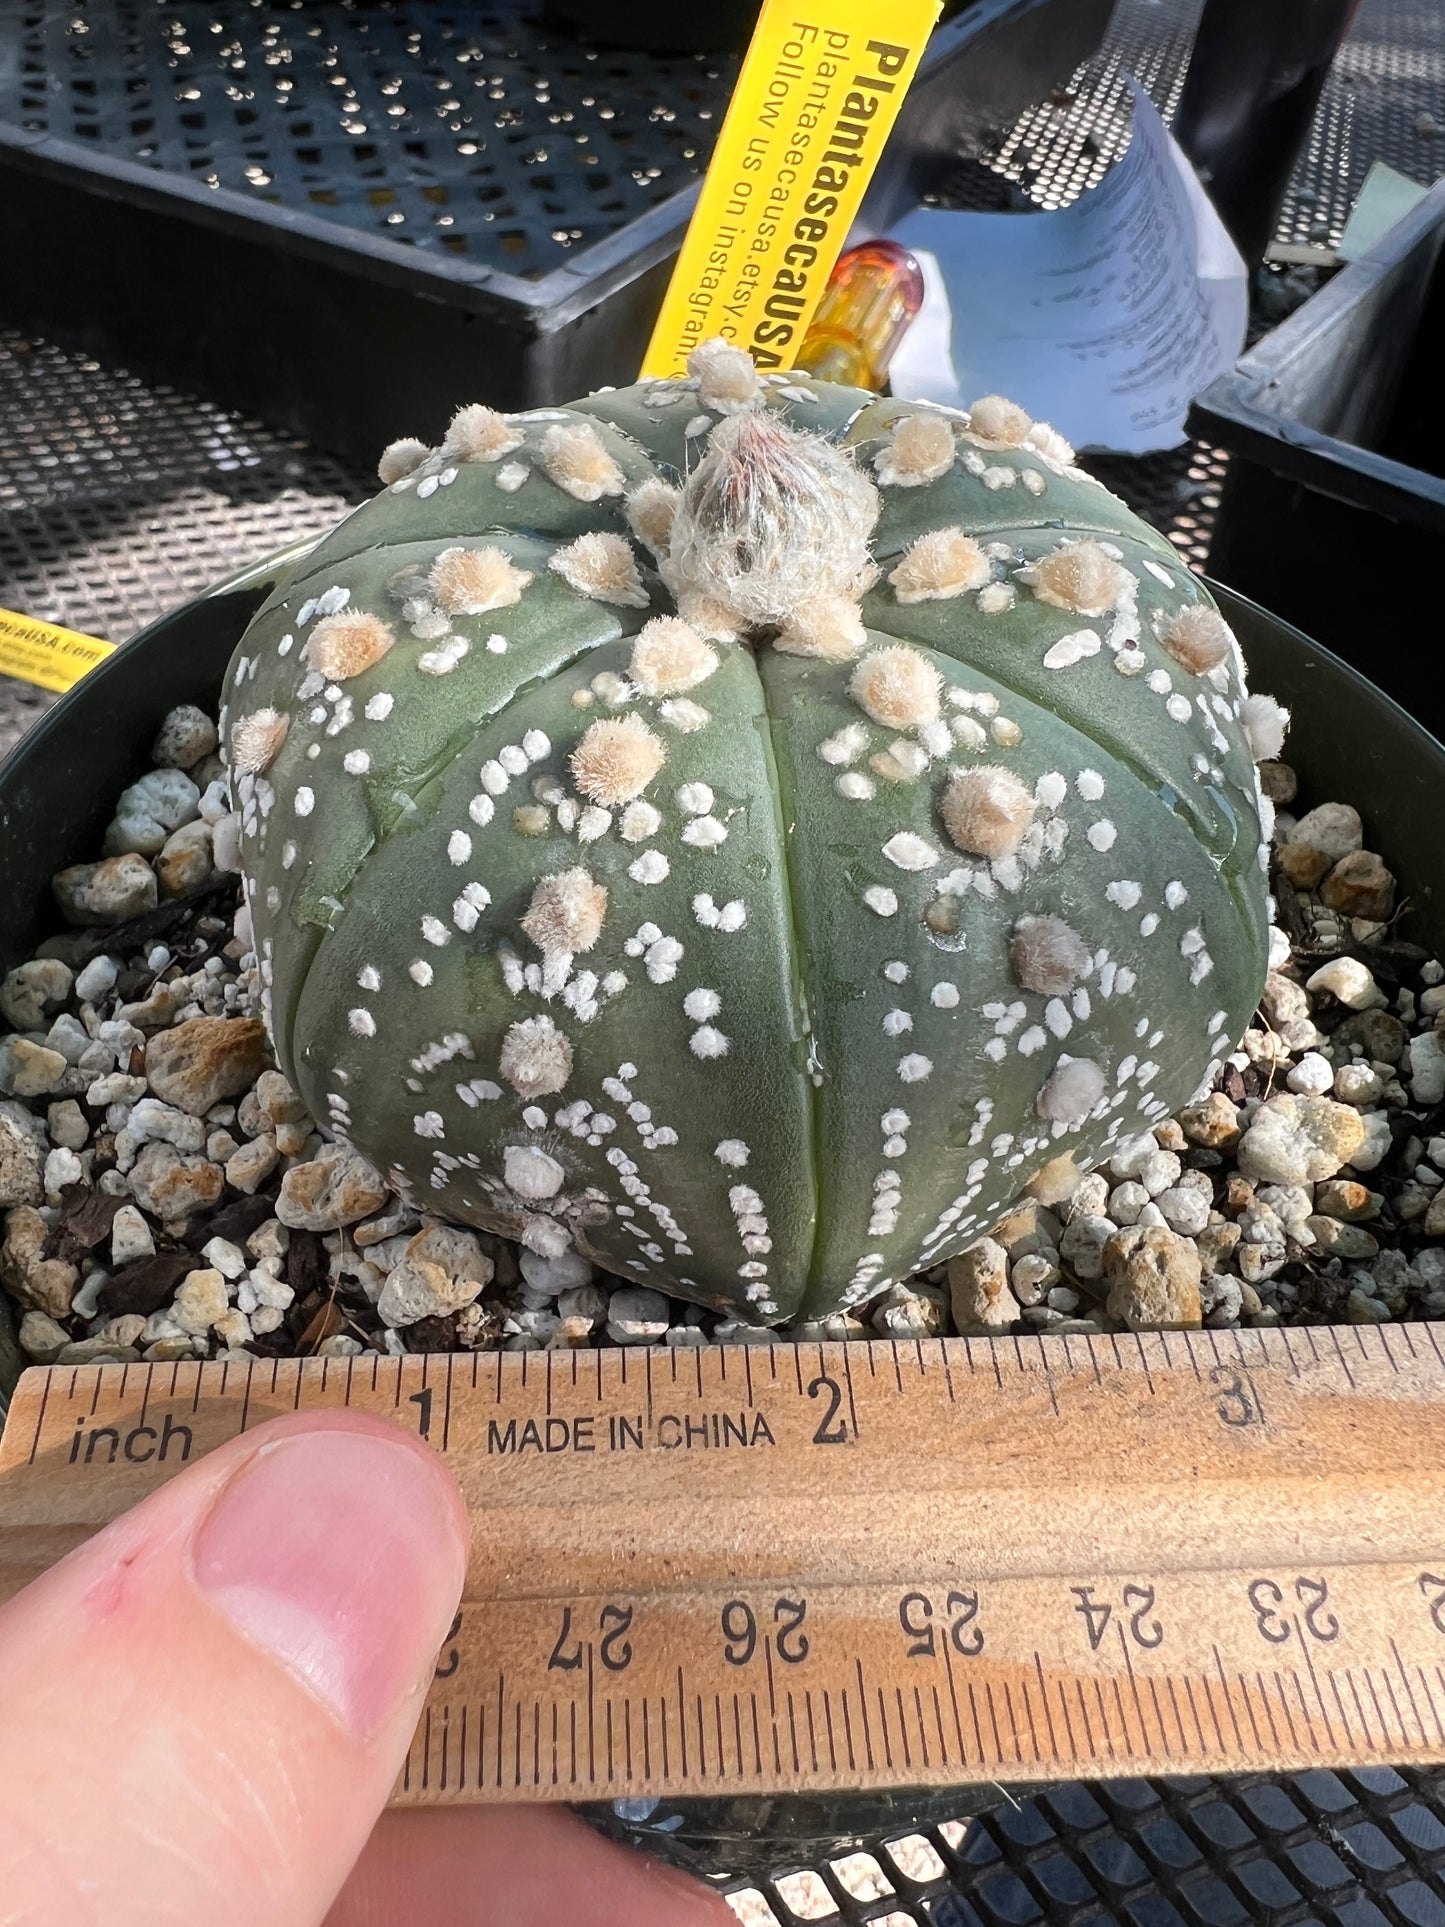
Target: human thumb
{"points": [[204, 1708]]}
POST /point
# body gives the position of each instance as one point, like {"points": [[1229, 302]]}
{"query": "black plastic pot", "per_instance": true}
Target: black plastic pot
{"points": [[1334, 503]]}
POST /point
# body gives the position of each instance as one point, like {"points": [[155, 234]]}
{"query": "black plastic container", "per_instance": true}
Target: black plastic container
{"points": [[324, 324], [1334, 502]]}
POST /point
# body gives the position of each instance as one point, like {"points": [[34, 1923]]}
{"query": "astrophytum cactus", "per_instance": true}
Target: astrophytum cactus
{"points": [[743, 829]]}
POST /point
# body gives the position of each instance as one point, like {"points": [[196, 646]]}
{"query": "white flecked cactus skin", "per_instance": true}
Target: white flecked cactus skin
{"points": [[749, 959]]}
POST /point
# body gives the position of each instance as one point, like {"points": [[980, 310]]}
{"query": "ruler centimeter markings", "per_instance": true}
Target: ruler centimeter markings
{"points": [[775, 1568]]}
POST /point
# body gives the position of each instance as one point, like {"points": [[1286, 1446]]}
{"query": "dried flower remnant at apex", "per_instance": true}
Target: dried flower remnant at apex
{"points": [[801, 729]]}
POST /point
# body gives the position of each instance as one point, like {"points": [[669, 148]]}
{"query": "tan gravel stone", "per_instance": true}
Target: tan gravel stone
{"points": [[1153, 1279], [201, 1063], [979, 1289]]}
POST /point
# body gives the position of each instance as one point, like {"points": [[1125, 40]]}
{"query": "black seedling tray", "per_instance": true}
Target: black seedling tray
{"points": [[1334, 502], [349, 216]]}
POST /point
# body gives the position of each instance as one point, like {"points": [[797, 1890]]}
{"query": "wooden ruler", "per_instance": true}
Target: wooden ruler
{"points": [[774, 1568]]}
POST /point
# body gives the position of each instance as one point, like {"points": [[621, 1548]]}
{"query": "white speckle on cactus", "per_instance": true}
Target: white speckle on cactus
{"points": [[379, 707], [845, 746], [400, 458], [1058, 1017], [1046, 955], [661, 958], [651, 867], [1050, 790], [535, 1118], [638, 822], [481, 810], [1190, 942], [913, 1068], [937, 738], [1177, 709], [1081, 576], [997, 597], [513, 759], [1101, 835], [536, 1058], [420, 972], [669, 656], [986, 811], [919, 450], [616, 759], [1175, 894], [684, 715], [477, 433], [511, 475], [1089, 784], [1031, 1041], [361, 1023], [601, 565], [594, 822], [429, 1124], [368, 977], [732, 1152], [1198, 638], [459, 847], [1160, 681], [908, 851], [939, 565], [434, 931], [356, 762], [305, 801], [566, 913], [855, 786], [1123, 893], [997, 476], [707, 1042], [1265, 722], [1071, 1091], [1148, 924], [700, 1005], [704, 833], [697, 425], [969, 732], [256, 740], [497, 645], [577, 459], [897, 687], [442, 661], [1072, 648], [288, 854], [342, 646], [694, 799], [896, 971], [882, 902], [896, 1022], [530, 1172], [494, 778], [944, 996]]}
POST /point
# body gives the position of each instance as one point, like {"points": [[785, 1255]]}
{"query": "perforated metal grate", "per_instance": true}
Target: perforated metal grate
{"points": [[1317, 1849], [479, 131]]}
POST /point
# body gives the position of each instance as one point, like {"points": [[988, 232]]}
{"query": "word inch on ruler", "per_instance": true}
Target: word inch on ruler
{"points": [[783, 1568]]}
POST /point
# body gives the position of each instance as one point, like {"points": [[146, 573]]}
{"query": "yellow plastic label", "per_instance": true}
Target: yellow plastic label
{"points": [[46, 654], [815, 102]]}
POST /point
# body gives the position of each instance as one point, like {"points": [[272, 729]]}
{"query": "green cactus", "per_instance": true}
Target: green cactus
{"points": [[744, 828]]}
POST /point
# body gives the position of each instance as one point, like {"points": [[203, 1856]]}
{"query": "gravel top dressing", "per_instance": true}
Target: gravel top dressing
{"points": [[167, 1196]]}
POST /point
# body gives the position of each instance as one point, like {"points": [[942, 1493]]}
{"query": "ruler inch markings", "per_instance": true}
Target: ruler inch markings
{"points": [[592, 1620]]}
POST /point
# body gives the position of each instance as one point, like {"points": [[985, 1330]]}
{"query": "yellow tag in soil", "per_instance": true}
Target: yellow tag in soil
{"points": [[46, 654], [815, 102]]}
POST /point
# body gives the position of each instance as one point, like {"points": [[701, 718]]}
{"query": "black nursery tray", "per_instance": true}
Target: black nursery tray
{"points": [[345, 215]]}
